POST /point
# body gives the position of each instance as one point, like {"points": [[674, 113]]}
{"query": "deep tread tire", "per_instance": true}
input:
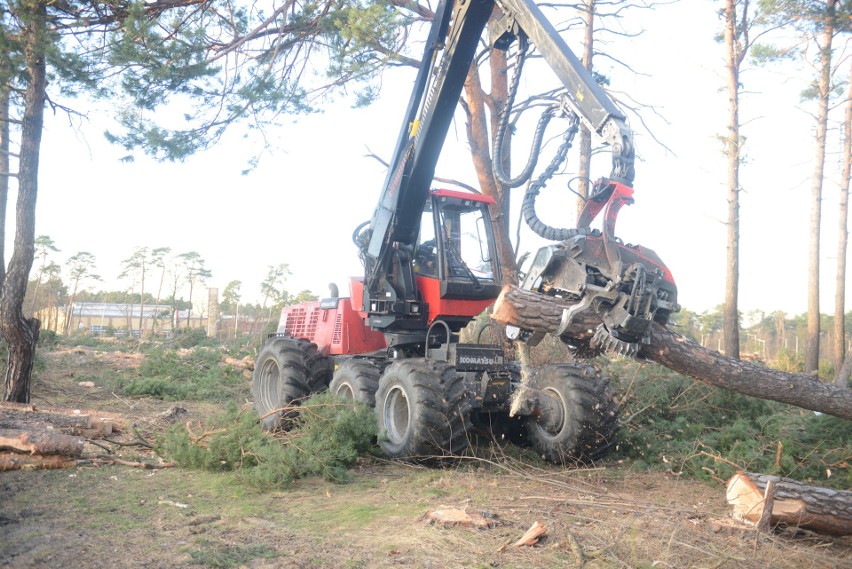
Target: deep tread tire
{"points": [[286, 370], [423, 411], [589, 414], [319, 366], [356, 379]]}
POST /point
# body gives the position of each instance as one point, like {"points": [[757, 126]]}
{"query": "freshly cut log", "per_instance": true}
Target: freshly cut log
{"points": [[541, 313], [40, 441], [823, 510], [16, 461], [10, 418], [86, 422]]}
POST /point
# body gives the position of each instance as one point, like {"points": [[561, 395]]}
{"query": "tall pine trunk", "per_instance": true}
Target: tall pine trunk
{"points": [[4, 171], [843, 238], [584, 169], [479, 136], [824, 86], [20, 333], [736, 49]]}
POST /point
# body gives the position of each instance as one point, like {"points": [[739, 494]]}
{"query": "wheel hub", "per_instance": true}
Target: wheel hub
{"points": [[397, 415], [269, 393], [551, 421], [345, 391]]}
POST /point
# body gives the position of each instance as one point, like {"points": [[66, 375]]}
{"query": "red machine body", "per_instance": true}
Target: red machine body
{"points": [[430, 289], [334, 325], [337, 325]]}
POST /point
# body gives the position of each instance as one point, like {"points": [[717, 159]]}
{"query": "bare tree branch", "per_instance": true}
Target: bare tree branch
{"points": [[468, 187]]}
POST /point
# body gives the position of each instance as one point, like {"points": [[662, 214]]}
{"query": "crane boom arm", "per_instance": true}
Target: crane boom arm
{"points": [[450, 49], [592, 104]]}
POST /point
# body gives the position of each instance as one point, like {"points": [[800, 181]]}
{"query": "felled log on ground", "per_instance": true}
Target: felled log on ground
{"points": [[41, 441], [537, 312], [823, 510], [88, 423], [17, 461], [11, 417], [246, 363]]}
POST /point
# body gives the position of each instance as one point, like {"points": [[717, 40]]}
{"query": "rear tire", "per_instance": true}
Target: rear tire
{"points": [[589, 409], [286, 371], [423, 411], [356, 380]]}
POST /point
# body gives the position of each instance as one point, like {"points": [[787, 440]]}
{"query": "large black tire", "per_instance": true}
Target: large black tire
{"points": [[423, 411], [356, 379], [286, 371], [589, 406]]}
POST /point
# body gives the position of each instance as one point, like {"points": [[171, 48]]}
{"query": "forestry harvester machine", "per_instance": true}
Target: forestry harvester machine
{"points": [[431, 266]]}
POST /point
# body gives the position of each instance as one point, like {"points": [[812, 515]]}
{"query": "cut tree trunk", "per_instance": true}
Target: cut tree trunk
{"points": [[13, 418], [16, 461], [88, 423], [51, 437], [823, 510], [43, 441], [540, 313]]}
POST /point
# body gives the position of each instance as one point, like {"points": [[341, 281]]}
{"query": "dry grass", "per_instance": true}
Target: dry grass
{"points": [[606, 517]]}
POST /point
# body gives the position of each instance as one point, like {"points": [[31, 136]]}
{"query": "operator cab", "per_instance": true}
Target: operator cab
{"points": [[456, 250], [449, 273]]}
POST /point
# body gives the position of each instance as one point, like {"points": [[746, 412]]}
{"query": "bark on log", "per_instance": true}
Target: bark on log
{"points": [[9, 418], [15, 461], [537, 312], [97, 430], [40, 441], [84, 422], [823, 510], [246, 363]]}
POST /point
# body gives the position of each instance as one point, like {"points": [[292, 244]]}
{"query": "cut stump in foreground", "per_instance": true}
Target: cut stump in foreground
{"points": [[541, 313], [793, 503]]}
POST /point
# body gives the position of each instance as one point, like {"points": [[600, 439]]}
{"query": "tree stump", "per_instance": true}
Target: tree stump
{"points": [[793, 503]]}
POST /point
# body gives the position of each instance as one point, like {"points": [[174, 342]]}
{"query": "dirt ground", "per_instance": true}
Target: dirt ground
{"points": [[609, 516]]}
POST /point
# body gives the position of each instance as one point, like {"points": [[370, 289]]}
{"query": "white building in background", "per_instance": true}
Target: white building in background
{"points": [[104, 318]]}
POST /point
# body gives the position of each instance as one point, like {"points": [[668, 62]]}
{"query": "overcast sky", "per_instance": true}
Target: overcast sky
{"points": [[301, 204]]}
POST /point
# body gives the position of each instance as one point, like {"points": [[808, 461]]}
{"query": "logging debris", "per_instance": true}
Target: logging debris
{"points": [[50, 437], [532, 535]]}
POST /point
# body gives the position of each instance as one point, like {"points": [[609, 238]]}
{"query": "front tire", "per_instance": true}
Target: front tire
{"points": [[589, 414], [423, 411], [356, 380], [286, 371]]}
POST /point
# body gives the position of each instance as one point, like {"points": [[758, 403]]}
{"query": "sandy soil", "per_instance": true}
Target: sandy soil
{"points": [[609, 516]]}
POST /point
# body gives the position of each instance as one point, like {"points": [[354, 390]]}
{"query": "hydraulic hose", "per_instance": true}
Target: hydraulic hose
{"points": [[500, 135], [528, 204]]}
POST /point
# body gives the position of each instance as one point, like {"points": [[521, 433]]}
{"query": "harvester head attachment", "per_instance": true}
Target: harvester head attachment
{"points": [[628, 286]]}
